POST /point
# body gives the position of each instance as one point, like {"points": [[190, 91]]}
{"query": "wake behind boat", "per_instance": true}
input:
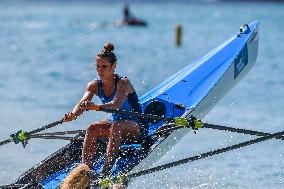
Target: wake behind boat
{"points": [[188, 94]]}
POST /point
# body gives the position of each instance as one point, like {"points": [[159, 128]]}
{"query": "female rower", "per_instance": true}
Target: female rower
{"points": [[115, 92]]}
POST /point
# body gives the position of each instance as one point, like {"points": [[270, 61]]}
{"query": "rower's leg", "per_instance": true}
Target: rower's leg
{"points": [[94, 131], [113, 145], [121, 130]]}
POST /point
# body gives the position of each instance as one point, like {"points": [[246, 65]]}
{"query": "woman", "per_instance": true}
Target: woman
{"points": [[115, 92]]}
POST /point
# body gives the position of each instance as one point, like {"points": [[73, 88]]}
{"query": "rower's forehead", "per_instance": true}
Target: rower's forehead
{"points": [[100, 60]]}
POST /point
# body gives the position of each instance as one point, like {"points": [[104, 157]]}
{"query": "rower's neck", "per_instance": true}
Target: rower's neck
{"points": [[110, 81]]}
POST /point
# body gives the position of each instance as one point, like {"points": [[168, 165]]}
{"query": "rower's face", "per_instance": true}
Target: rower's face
{"points": [[104, 68]]}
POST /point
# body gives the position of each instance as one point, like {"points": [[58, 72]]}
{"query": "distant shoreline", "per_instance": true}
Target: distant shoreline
{"points": [[273, 1]]}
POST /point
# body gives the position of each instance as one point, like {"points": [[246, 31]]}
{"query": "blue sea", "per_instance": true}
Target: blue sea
{"points": [[47, 50]]}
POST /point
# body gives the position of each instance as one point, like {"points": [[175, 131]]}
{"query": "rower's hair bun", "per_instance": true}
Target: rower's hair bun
{"points": [[109, 47], [107, 53]]}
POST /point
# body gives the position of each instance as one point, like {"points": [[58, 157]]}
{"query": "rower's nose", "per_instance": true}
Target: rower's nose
{"points": [[99, 70]]}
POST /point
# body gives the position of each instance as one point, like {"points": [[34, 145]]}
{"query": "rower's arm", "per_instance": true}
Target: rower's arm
{"points": [[91, 90], [124, 87]]}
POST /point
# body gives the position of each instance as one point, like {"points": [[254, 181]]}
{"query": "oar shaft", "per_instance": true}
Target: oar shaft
{"points": [[163, 131], [204, 155], [62, 133], [237, 130], [45, 127], [27, 134], [57, 137], [5, 142], [142, 115]]}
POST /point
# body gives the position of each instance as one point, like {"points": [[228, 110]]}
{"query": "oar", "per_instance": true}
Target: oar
{"points": [[63, 133], [204, 155], [22, 136], [124, 179], [191, 122], [48, 126], [136, 114], [57, 137]]}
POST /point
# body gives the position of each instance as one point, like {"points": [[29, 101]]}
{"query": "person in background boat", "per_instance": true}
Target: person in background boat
{"points": [[115, 92], [129, 19], [126, 13]]}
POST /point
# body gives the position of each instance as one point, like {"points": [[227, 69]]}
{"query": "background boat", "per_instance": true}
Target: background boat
{"points": [[119, 23]]}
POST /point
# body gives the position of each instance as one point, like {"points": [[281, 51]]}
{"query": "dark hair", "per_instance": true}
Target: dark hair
{"points": [[107, 53]]}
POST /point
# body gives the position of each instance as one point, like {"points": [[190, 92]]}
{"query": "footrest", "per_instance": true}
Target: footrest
{"points": [[130, 146]]}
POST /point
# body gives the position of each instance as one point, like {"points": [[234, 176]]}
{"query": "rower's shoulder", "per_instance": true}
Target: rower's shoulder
{"points": [[92, 85], [124, 81]]}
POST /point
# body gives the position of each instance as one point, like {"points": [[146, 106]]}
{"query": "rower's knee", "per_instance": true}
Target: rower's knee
{"points": [[92, 128], [98, 129], [116, 127]]}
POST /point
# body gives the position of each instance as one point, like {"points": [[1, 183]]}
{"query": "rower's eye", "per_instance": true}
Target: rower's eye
{"points": [[102, 67]]}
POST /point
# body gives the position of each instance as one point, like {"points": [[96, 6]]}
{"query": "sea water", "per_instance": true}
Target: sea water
{"points": [[47, 50]]}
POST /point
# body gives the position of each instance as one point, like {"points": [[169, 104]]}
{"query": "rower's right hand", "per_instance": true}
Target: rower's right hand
{"points": [[70, 116], [85, 105]]}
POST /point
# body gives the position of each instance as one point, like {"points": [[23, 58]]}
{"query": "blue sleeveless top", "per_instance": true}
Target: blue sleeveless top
{"points": [[131, 104]]}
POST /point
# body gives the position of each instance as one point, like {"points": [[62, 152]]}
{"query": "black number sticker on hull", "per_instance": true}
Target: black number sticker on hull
{"points": [[241, 61]]}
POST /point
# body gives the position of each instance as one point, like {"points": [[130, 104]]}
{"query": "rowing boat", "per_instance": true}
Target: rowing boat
{"points": [[193, 91]]}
